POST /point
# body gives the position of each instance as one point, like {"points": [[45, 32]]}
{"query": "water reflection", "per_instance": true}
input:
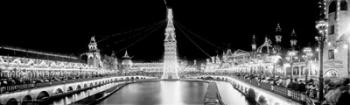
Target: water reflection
{"points": [[159, 93], [231, 96], [81, 95], [171, 91], [70, 99]]}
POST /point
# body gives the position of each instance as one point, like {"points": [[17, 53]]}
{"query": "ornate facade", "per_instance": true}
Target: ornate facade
{"points": [[336, 53], [94, 56], [127, 62]]}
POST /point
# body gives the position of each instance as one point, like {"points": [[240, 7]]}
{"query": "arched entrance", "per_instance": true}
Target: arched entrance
{"points": [[332, 73], [78, 87], [43, 95], [70, 88], [12, 101], [27, 100], [58, 91]]}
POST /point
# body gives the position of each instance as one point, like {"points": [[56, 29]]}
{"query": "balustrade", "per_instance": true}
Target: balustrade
{"points": [[283, 91]]}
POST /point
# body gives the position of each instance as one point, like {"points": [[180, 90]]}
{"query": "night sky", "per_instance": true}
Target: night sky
{"points": [[214, 25]]}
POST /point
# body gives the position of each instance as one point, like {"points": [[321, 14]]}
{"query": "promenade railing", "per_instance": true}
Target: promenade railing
{"points": [[283, 91]]}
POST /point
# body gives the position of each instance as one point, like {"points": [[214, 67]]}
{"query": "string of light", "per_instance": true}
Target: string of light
{"points": [[135, 35], [141, 38], [37, 52], [198, 36], [187, 36], [130, 31]]}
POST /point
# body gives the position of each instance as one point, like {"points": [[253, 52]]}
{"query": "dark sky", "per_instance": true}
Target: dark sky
{"points": [[66, 27]]}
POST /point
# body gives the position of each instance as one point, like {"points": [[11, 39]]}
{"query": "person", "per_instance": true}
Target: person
{"points": [[302, 86], [313, 91]]}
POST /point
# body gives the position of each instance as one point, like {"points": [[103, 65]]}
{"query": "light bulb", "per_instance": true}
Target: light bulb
{"points": [[335, 50], [317, 49]]}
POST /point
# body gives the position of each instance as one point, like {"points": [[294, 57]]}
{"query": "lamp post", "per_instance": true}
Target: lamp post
{"points": [[322, 27]]}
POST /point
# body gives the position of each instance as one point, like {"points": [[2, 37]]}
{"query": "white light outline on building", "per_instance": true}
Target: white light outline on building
{"points": [[170, 50]]}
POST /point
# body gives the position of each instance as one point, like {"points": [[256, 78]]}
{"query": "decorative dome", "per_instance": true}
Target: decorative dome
{"points": [[127, 60]]}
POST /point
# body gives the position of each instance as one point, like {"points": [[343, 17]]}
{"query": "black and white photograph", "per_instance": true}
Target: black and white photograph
{"points": [[175, 52]]}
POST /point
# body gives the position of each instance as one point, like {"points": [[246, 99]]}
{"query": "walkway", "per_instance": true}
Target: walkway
{"points": [[229, 95]]}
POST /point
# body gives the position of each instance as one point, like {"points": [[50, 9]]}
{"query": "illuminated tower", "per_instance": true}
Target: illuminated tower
{"points": [[93, 56], [278, 39], [170, 50], [336, 47], [293, 40]]}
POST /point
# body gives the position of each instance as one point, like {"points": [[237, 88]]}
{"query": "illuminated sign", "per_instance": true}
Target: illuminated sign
{"points": [[336, 64]]}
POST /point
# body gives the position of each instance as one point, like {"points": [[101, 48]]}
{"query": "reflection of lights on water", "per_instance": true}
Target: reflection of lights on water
{"points": [[81, 95], [60, 102], [170, 93]]}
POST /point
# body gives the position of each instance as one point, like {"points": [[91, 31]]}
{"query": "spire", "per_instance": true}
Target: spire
{"points": [[126, 55], [113, 54], [170, 17], [293, 41], [293, 33], [278, 28], [93, 45], [254, 40], [93, 40], [170, 30], [253, 43], [229, 52], [278, 36], [278, 39]]}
